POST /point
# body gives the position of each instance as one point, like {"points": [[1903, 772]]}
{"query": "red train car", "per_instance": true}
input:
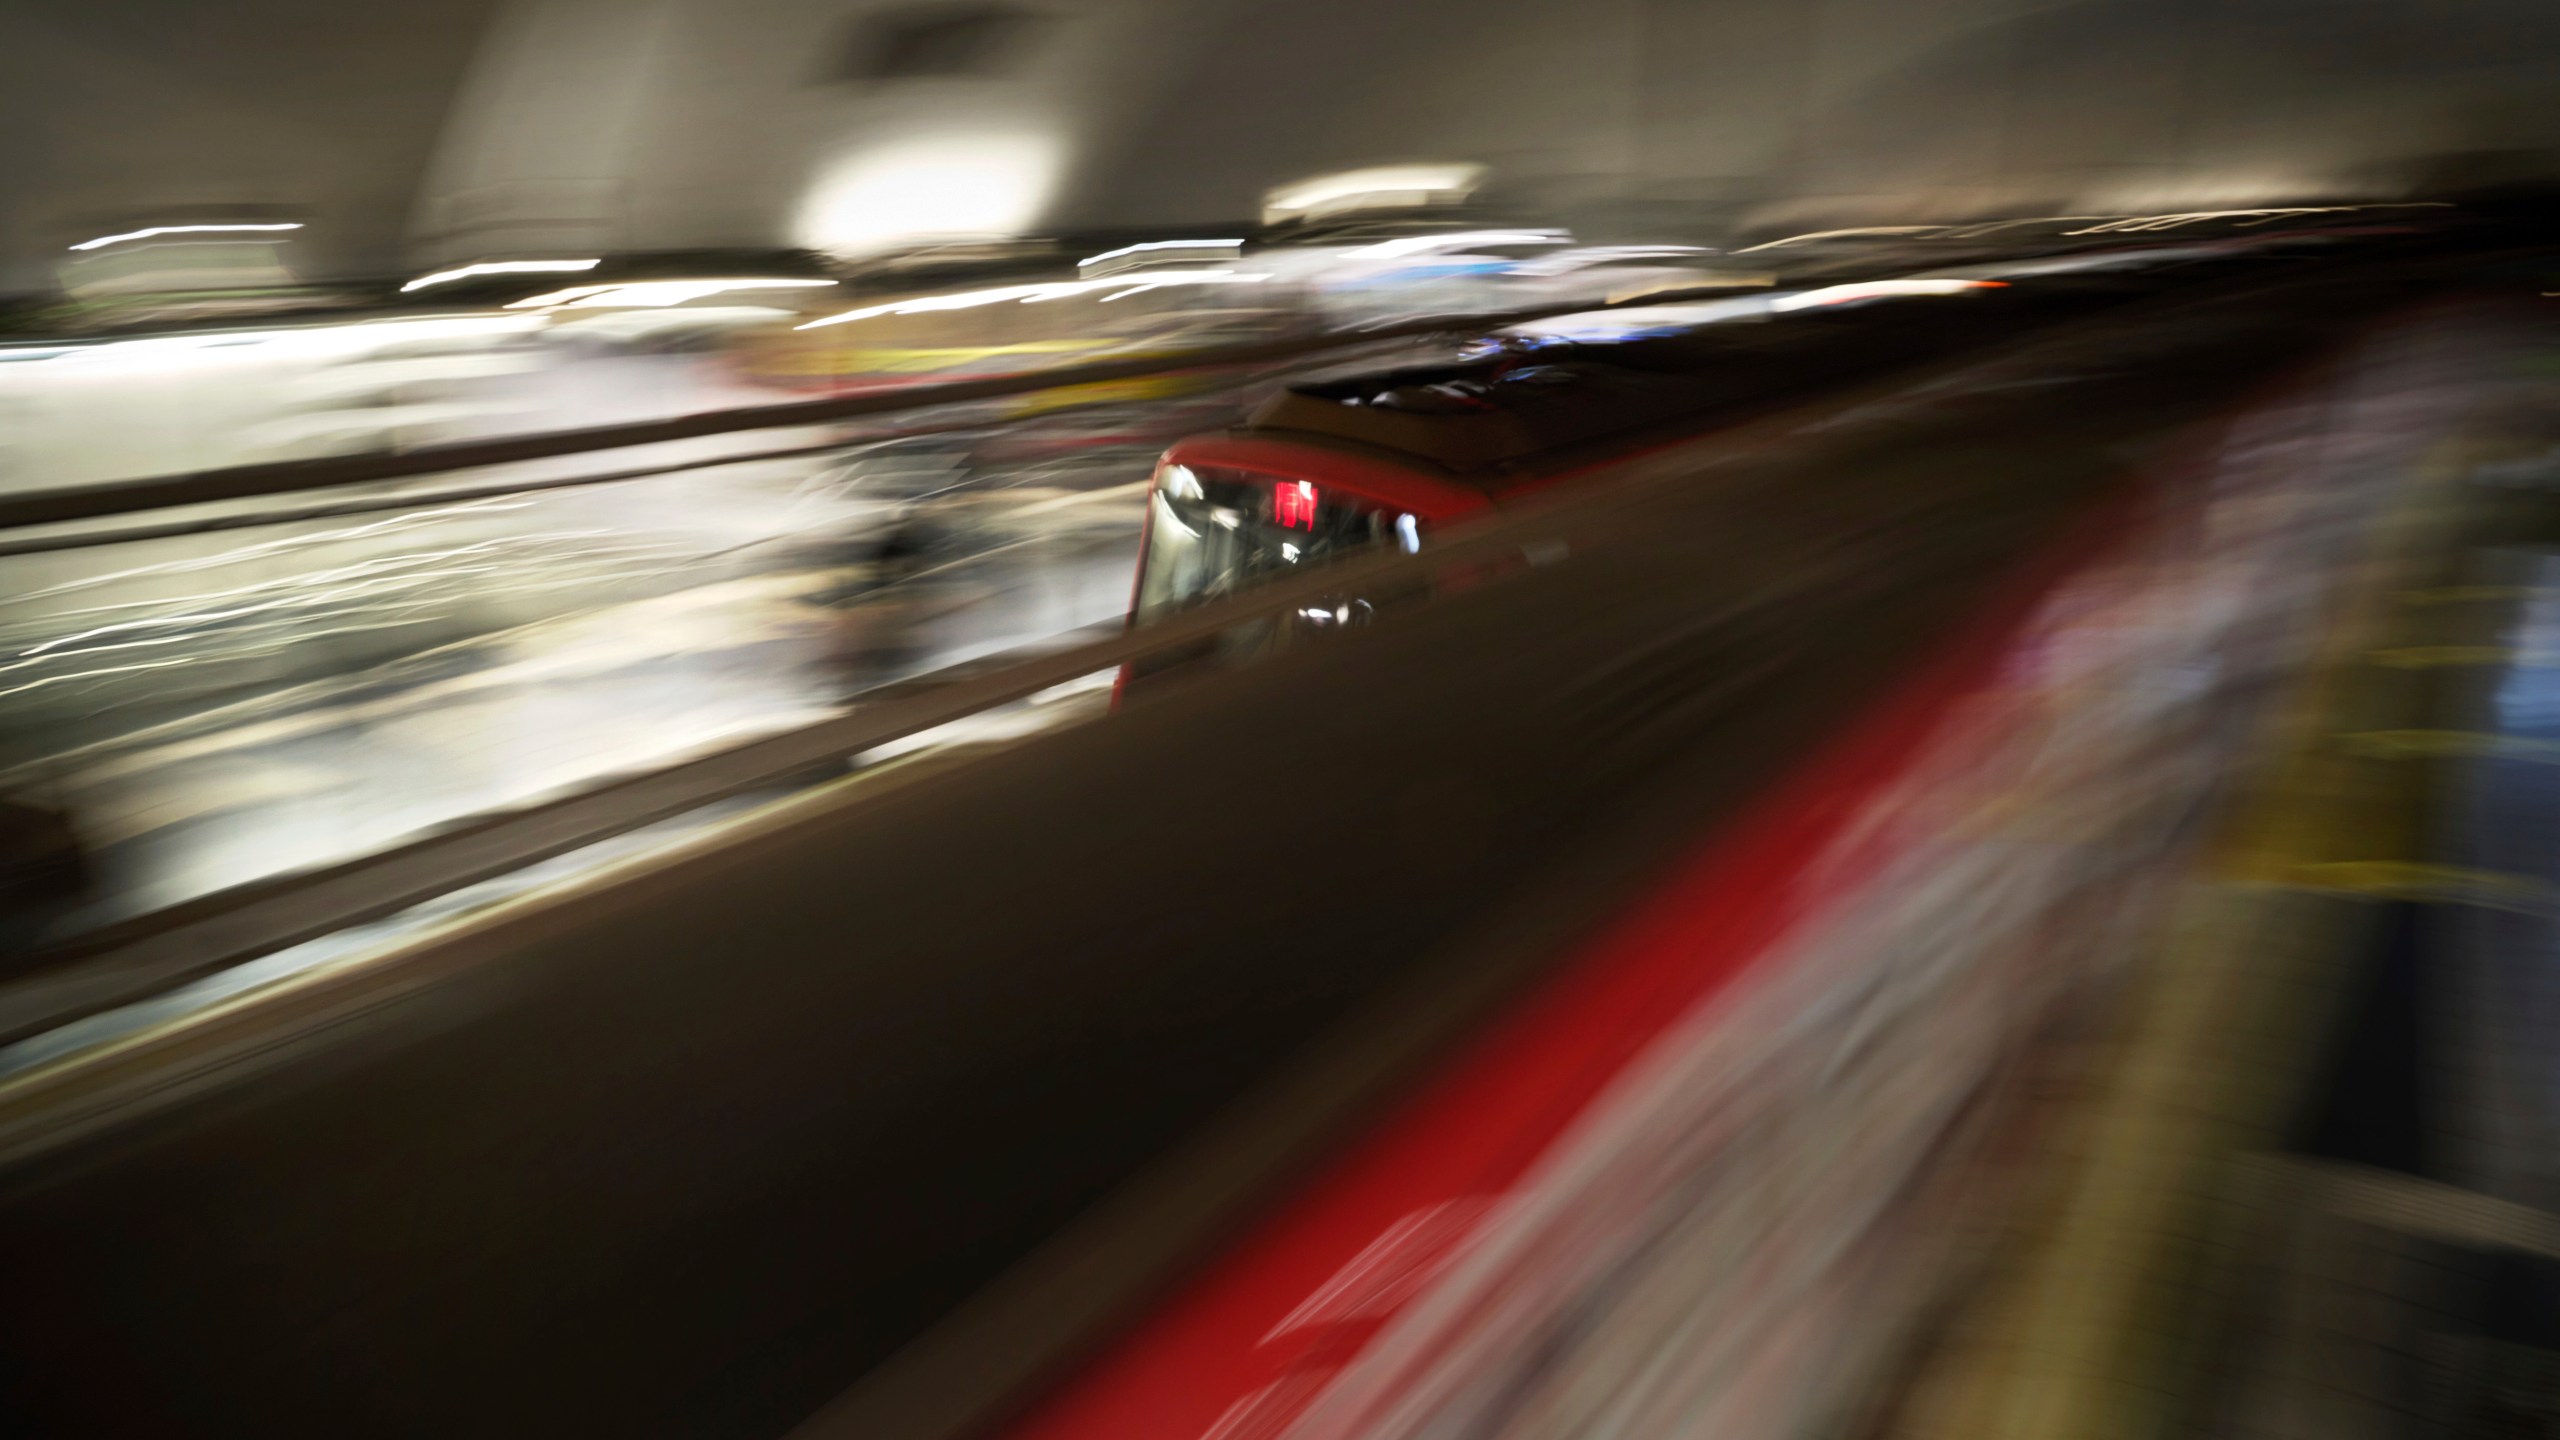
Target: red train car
{"points": [[1378, 462]]}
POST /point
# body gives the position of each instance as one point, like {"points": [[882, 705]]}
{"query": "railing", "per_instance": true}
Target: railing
{"points": [[134, 958], [156, 951]]}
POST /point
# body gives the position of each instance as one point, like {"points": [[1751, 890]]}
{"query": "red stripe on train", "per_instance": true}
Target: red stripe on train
{"points": [[1249, 1341]]}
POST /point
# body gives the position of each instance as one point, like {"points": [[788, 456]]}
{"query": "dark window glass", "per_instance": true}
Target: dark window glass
{"points": [[1217, 532]]}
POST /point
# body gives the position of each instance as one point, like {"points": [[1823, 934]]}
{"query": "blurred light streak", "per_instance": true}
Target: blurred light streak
{"points": [[1994, 227], [652, 294], [1399, 1262], [1611, 326], [1849, 234], [962, 300], [1376, 186], [273, 547], [2139, 224], [1879, 290], [1150, 246], [1568, 261], [1428, 244], [498, 267], [2143, 224], [53, 680], [151, 231], [1201, 277], [1037, 291], [626, 326], [380, 586], [321, 340]]}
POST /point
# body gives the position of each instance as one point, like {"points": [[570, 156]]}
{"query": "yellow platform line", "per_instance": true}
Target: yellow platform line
{"points": [[2081, 1328], [2450, 745]]}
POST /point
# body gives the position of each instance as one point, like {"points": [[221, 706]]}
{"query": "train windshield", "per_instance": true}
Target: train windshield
{"points": [[1216, 532]]}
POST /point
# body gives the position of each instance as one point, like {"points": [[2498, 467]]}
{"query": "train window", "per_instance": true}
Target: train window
{"points": [[1216, 532]]}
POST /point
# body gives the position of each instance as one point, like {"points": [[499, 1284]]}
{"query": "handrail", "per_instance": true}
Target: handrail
{"points": [[149, 954]]}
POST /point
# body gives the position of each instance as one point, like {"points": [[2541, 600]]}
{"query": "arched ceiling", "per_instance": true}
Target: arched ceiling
{"points": [[122, 113], [418, 131], [1127, 114]]}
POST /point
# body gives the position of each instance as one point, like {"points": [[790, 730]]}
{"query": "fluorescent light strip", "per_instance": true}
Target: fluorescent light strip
{"points": [[1878, 290], [1161, 245], [1309, 195], [1425, 244], [499, 267], [146, 234], [1044, 290], [651, 293]]}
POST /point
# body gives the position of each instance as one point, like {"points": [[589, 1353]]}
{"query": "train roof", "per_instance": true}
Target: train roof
{"points": [[1544, 397], [1536, 401]]}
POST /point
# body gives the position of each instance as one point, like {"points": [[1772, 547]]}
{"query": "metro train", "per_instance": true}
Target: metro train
{"points": [[1343, 466], [1358, 465]]}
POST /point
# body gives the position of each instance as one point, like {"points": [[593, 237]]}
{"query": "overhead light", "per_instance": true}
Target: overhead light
{"points": [[938, 188], [498, 267], [150, 231]]}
